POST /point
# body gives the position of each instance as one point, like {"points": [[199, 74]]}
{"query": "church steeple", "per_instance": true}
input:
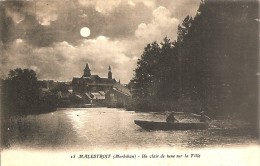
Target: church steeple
{"points": [[87, 71], [109, 73]]}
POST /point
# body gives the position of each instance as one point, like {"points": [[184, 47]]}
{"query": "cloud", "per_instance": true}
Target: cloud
{"points": [[148, 3], [62, 61], [16, 16], [180, 8], [100, 5], [107, 7], [44, 35], [46, 22], [162, 25]]}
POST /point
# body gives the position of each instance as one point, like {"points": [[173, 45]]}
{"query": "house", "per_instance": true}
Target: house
{"points": [[118, 96], [98, 98]]}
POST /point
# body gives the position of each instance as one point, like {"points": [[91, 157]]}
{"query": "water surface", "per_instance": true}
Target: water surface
{"points": [[92, 128]]}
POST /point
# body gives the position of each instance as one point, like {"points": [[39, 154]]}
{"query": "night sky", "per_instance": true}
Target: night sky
{"points": [[44, 35]]}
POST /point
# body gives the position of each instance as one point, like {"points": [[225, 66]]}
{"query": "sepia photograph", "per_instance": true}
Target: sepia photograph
{"points": [[129, 82]]}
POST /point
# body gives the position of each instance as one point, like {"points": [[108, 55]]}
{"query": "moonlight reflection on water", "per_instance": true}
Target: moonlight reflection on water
{"points": [[93, 128]]}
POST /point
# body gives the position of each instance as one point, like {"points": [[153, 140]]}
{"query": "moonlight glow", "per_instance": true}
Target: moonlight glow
{"points": [[85, 32]]}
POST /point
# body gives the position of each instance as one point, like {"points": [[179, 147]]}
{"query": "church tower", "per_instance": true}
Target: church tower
{"points": [[87, 71], [109, 73]]}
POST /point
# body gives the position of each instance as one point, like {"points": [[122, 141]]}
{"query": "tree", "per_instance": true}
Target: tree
{"points": [[224, 53], [21, 94], [22, 88], [145, 82], [167, 71]]}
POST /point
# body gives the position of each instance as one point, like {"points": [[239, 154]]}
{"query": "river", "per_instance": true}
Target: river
{"points": [[95, 128]]}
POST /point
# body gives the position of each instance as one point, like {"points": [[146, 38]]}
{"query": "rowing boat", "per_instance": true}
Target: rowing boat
{"points": [[151, 125]]}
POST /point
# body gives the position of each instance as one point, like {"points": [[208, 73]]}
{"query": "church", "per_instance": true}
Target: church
{"points": [[92, 83], [92, 89]]}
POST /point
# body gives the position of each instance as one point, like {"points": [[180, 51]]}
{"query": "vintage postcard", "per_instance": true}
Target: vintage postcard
{"points": [[129, 82]]}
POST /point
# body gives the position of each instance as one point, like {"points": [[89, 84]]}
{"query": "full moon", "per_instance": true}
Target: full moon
{"points": [[85, 32]]}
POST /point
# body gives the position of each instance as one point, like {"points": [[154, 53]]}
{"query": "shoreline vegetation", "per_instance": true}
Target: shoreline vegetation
{"points": [[21, 95]]}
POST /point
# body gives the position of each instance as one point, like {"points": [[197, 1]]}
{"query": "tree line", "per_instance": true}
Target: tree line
{"points": [[212, 65]]}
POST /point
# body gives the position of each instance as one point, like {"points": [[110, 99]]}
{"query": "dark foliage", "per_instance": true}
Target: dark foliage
{"points": [[21, 94], [213, 62]]}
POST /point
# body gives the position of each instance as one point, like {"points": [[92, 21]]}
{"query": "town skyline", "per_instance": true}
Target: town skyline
{"points": [[103, 75]]}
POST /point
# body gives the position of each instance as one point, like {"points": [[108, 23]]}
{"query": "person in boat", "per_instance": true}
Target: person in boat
{"points": [[171, 118], [203, 117]]}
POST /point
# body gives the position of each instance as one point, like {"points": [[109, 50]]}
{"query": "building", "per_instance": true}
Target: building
{"points": [[92, 83], [93, 89], [118, 96]]}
